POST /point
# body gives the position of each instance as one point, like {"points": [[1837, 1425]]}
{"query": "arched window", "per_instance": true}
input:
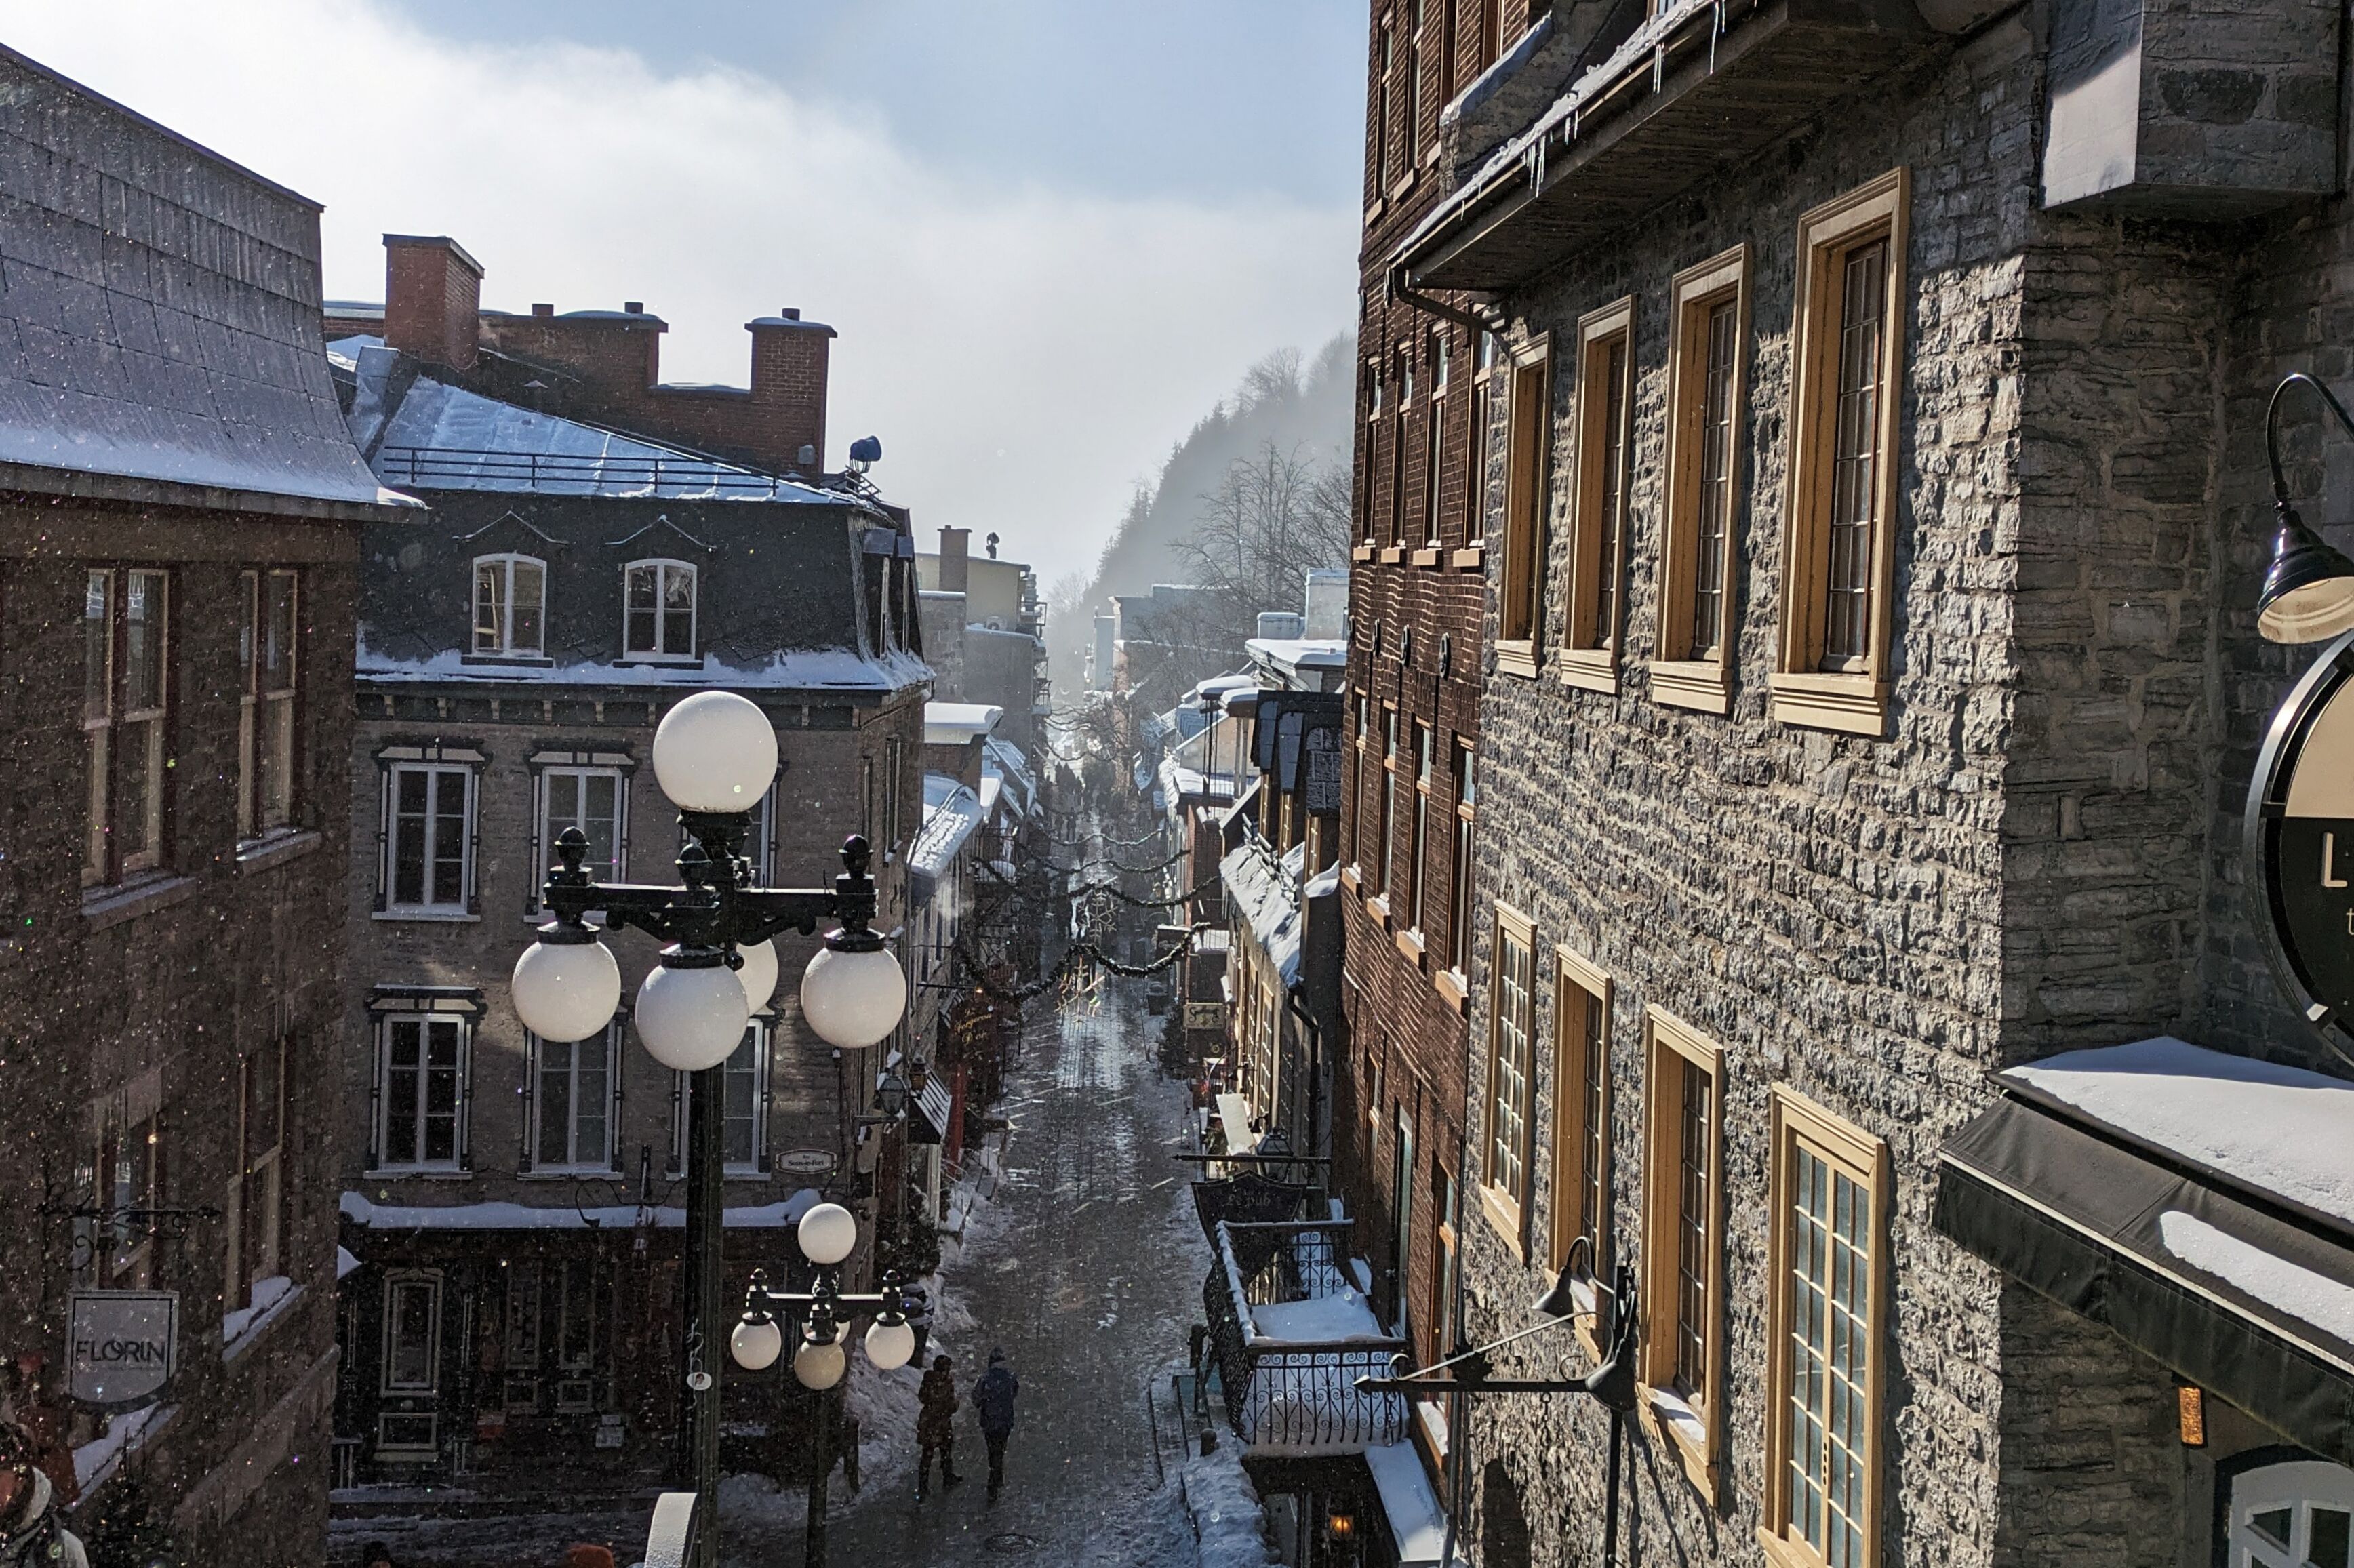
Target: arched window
{"points": [[2292, 1514], [658, 610], [510, 605]]}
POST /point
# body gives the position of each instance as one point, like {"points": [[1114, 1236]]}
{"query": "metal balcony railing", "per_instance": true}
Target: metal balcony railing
{"points": [[1297, 1393]]}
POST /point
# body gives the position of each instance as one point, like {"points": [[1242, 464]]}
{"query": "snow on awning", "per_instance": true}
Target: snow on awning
{"points": [[1417, 1524], [1266, 894], [951, 815], [501, 1216], [2195, 1202]]}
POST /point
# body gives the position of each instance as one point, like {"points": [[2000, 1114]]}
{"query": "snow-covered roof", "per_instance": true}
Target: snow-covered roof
{"points": [[957, 724], [503, 1216], [1265, 897], [1417, 1524], [951, 812], [438, 436], [1007, 758], [1302, 654], [804, 669], [2280, 1131]]}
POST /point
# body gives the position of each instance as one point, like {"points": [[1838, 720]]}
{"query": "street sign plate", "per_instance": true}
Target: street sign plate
{"points": [[805, 1162]]}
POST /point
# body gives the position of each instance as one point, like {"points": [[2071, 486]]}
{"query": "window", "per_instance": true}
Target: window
{"points": [[412, 1333], [126, 705], [1482, 441], [1597, 600], [1412, 135], [1683, 1240], [511, 605], [257, 1215], [1446, 61], [573, 1105], [894, 785], [1839, 573], [1527, 459], [1385, 49], [1417, 862], [1511, 1041], [132, 1160], [1581, 1119], [422, 1074], [1378, 871], [658, 616], [1364, 743], [1707, 324], [1396, 534], [265, 731], [2295, 1514], [1401, 1209], [1491, 31], [1827, 1261], [1372, 451], [594, 800], [744, 1134], [1434, 419], [429, 839], [1448, 1205], [1458, 867]]}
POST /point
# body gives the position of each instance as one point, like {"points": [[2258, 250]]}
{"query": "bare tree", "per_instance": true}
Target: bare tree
{"points": [[1274, 516]]}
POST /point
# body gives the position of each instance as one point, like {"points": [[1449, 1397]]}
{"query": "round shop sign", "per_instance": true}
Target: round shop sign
{"points": [[2300, 841], [122, 1345]]}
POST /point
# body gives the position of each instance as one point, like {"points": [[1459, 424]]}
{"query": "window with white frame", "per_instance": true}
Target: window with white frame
{"points": [[429, 821], [596, 801], [511, 606], [422, 1074], [573, 1089], [744, 1134], [267, 629], [412, 1333], [658, 610]]}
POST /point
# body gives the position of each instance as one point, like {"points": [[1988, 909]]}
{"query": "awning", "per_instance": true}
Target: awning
{"points": [[928, 1111], [2134, 1186]]}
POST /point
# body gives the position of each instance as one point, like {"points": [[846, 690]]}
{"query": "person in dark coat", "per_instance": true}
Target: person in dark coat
{"points": [[993, 1399], [32, 1525], [935, 1426]]}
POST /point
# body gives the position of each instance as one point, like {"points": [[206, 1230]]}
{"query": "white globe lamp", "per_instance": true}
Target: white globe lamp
{"points": [[566, 991], [757, 1343], [691, 1017], [854, 999], [715, 752], [890, 1344], [758, 974], [828, 1233], [820, 1366]]}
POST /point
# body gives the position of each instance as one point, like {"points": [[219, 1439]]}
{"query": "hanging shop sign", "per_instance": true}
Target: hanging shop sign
{"points": [[2300, 841], [122, 1346], [1205, 1015], [805, 1162]]}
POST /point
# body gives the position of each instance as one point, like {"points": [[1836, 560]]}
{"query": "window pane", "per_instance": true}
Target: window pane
{"points": [[1692, 1234], [1610, 503], [449, 836], [641, 635], [490, 606], [678, 610], [1714, 518], [1508, 1129], [97, 646], [140, 786], [555, 1104], [404, 1068], [1595, 1143], [742, 1102], [143, 642], [527, 634], [1855, 455], [278, 644], [2329, 1546], [441, 1098], [409, 1356], [249, 666], [590, 1100]]}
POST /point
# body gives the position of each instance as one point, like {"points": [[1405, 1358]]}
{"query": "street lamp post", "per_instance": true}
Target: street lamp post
{"points": [[714, 756], [828, 1234]]}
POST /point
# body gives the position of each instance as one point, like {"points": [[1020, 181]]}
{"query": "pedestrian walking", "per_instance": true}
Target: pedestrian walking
{"points": [[32, 1532], [993, 1399], [935, 1426]]}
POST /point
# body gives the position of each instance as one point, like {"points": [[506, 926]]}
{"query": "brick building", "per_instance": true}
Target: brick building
{"points": [[1872, 693], [513, 1207], [179, 528]]}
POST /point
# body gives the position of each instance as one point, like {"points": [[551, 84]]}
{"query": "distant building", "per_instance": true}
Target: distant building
{"points": [[514, 1206], [178, 543], [984, 636]]}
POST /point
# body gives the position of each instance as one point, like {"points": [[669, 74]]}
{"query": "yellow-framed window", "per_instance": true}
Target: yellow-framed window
{"points": [[1682, 1352], [1511, 1058], [1596, 617], [1528, 441], [1708, 332], [1581, 1118]]}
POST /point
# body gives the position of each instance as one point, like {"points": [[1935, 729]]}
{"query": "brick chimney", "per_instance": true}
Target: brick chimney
{"points": [[432, 299], [789, 368], [956, 560]]}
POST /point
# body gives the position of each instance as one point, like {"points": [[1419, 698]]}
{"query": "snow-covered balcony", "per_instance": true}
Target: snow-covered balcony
{"points": [[1293, 1332]]}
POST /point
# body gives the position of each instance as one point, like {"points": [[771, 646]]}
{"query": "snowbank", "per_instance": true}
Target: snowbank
{"points": [[1229, 1522]]}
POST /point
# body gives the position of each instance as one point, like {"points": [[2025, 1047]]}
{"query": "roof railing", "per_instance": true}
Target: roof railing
{"points": [[564, 471]]}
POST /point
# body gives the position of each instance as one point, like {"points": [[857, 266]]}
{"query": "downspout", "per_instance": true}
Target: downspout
{"points": [[1459, 1436]]}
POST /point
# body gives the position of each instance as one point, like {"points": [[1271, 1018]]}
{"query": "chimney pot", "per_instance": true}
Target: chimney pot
{"points": [[791, 313], [432, 299], [634, 307], [543, 309]]}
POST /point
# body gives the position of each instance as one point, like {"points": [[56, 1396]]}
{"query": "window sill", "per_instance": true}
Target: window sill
{"points": [[510, 660], [428, 916], [1427, 556], [275, 849], [1473, 556], [1393, 553], [1518, 658], [1361, 552], [232, 1350], [1410, 943], [1404, 185], [1704, 685], [1782, 1553], [674, 661], [569, 1173], [105, 906], [1353, 878], [1374, 212], [1377, 910], [416, 1174], [1453, 988], [1590, 670], [1852, 705], [1675, 1431], [1504, 1219]]}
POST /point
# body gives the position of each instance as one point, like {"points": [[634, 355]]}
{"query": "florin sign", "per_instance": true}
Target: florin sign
{"points": [[122, 1345], [2300, 840]]}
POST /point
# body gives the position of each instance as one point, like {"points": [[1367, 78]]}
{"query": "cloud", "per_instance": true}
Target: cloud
{"points": [[1024, 356]]}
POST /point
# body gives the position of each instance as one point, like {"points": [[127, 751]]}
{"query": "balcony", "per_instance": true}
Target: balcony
{"points": [[1697, 86], [1292, 1333]]}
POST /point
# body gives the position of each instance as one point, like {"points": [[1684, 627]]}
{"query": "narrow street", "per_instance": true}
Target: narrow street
{"points": [[1086, 1267]]}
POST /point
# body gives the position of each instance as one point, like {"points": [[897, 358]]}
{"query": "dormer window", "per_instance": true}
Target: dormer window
{"points": [[658, 617], [510, 606]]}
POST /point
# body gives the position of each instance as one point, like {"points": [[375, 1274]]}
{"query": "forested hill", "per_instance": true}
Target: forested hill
{"points": [[1298, 409]]}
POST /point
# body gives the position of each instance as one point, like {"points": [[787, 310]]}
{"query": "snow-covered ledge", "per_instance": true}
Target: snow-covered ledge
{"points": [[272, 1299], [96, 1461]]}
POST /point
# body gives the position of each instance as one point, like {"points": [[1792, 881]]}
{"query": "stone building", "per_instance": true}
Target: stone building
{"points": [[513, 1207], [984, 635], [1875, 519], [180, 511]]}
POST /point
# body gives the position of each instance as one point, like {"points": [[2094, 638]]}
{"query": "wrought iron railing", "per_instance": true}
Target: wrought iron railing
{"points": [[1291, 1395], [568, 472]]}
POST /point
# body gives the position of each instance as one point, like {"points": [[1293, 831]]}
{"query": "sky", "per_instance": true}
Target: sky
{"points": [[1051, 233]]}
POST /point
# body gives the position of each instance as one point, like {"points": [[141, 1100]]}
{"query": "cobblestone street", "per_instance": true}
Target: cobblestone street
{"points": [[1086, 1270]]}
